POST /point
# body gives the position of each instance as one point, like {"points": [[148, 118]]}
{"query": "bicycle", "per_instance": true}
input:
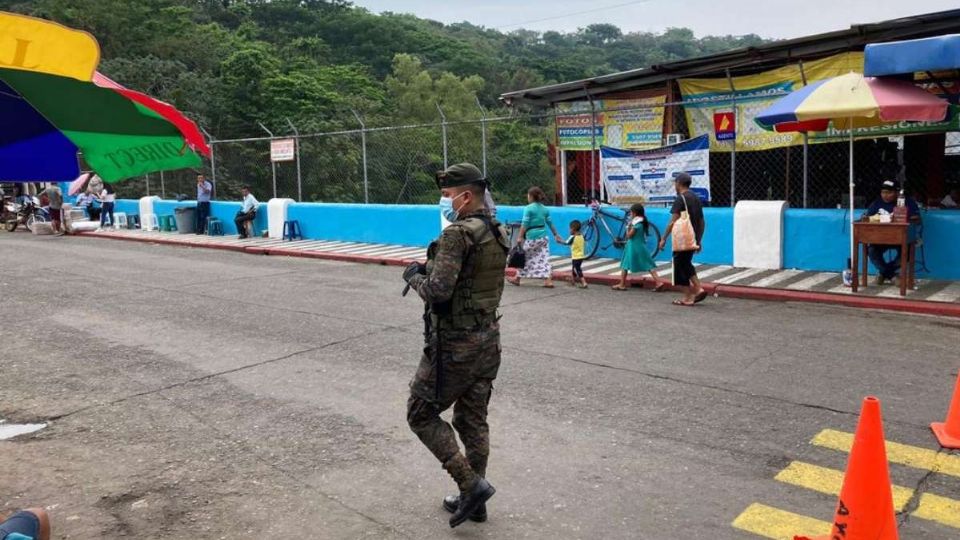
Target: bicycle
{"points": [[591, 231]]}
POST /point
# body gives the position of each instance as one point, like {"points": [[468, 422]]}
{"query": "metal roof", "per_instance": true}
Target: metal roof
{"points": [[745, 59]]}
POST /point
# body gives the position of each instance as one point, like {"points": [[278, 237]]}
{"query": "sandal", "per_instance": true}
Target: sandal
{"points": [[700, 297], [682, 303], [660, 287], [548, 285], [513, 282], [618, 288]]}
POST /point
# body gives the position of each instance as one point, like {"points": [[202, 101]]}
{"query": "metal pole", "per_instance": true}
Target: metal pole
{"points": [[563, 175], [443, 131], [733, 154], [273, 164], [852, 208], [213, 163], [163, 187], [296, 139], [483, 135], [147, 176], [363, 143], [593, 144], [806, 146]]}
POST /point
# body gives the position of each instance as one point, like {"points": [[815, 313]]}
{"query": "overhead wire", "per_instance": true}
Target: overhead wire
{"points": [[584, 12]]}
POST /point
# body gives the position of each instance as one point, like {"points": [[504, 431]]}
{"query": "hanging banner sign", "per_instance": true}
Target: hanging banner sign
{"points": [[647, 176], [704, 98], [633, 124], [283, 150]]}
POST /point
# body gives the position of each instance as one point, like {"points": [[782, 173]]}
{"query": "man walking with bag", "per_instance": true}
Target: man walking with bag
{"points": [[686, 229]]}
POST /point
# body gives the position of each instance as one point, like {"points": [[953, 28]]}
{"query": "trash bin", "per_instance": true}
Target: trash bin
{"points": [[186, 219]]}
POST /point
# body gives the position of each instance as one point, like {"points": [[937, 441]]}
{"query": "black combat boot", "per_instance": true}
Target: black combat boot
{"points": [[471, 501], [452, 502]]}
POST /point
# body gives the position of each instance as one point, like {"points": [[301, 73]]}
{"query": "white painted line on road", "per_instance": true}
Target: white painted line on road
{"points": [[779, 277], [950, 294], [364, 248], [812, 281], [607, 268], [740, 275]]}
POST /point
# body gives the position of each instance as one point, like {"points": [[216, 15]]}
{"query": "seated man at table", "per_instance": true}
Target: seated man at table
{"points": [[248, 211], [886, 203]]}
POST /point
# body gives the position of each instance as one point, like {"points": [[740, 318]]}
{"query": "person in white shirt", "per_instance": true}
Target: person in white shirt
{"points": [[248, 211], [107, 197], [952, 200]]}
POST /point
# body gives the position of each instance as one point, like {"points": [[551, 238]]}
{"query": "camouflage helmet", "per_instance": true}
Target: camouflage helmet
{"points": [[460, 174]]}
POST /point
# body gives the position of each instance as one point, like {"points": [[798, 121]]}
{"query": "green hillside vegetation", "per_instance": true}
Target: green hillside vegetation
{"points": [[230, 64]]}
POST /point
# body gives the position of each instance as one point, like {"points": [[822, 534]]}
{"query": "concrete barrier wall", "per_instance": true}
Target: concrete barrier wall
{"points": [[815, 240]]}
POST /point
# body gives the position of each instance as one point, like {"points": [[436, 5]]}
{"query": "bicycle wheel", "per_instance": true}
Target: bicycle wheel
{"points": [[653, 240], [591, 238]]}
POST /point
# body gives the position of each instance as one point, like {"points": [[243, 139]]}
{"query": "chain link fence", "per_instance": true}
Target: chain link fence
{"points": [[397, 164]]}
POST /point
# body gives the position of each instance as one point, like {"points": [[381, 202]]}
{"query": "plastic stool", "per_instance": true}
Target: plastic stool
{"points": [[119, 220], [291, 230], [168, 223], [214, 227], [149, 223]]}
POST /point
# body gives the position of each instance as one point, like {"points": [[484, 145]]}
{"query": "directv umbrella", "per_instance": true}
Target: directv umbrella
{"points": [[55, 104], [852, 101]]}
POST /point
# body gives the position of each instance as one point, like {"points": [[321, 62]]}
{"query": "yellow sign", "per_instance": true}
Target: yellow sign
{"points": [[752, 94], [633, 124], [31, 44]]}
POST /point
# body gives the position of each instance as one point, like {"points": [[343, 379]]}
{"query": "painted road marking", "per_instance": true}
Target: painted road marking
{"points": [[712, 271], [770, 522], [829, 481], [779, 277], [812, 281], [951, 293], [939, 509], [902, 454], [740, 275]]}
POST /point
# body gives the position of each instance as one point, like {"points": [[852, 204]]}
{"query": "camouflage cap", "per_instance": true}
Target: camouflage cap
{"points": [[460, 174]]}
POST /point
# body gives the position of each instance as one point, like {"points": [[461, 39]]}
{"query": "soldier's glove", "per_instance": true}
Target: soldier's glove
{"points": [[414, 269]]}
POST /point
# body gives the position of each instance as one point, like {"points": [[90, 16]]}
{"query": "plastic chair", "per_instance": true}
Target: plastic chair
{"points": [[291, 230], [150, 223], [168, 223], [119, 220], [214, 227]]}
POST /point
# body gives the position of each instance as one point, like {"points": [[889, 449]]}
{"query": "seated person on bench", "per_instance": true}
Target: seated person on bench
{"points": [[247, 212]]}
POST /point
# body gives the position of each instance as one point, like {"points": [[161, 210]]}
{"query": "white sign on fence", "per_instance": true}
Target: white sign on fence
{"points": [[283, 150], [632, 176]]}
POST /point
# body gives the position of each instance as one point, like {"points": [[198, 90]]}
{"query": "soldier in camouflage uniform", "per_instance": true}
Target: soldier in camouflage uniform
{"points": [[461, 285]]}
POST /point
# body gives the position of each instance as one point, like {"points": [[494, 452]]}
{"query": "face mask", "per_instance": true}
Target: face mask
{"points": [[446, 207]]}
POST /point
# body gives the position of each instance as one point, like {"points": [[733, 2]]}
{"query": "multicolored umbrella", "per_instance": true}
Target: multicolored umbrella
{"points": [[58, 104], [850, 102]]}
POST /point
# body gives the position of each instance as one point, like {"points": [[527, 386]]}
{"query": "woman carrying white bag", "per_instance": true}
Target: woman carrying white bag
{"points": [[686, 230]]}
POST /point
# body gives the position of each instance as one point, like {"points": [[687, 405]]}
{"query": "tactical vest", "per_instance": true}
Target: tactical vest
{"points": [[476, 295]]}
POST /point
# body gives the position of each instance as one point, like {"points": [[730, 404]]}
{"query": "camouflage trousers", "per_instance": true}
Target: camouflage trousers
{"points": [[468, 364]]}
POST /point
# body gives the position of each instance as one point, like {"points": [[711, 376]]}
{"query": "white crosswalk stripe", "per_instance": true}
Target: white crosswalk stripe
{"points": [[712, 271], [812, 281], [950, 294], [774, 279], [740, 275]]}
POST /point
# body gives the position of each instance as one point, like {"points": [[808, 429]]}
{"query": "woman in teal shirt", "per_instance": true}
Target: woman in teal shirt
{"points": [[533, 237]]}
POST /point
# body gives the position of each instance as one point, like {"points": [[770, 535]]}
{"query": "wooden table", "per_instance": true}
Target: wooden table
{"points": [[891, 234]]}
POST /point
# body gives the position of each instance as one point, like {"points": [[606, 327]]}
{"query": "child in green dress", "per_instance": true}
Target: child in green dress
{"points": [[636, 256]]}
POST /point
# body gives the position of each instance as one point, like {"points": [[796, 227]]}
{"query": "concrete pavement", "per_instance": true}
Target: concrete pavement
{"points": [[208, 394]]}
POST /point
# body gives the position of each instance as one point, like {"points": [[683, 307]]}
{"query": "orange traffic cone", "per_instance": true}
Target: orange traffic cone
{"points": [[948, 433], [865, 510]]}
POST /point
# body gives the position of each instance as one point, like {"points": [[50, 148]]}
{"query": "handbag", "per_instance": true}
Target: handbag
{"points": [[517, 258], [684, 236]]}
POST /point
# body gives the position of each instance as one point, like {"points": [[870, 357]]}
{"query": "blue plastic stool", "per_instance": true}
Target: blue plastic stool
{"points": [[214, 227], [291, 230]]}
